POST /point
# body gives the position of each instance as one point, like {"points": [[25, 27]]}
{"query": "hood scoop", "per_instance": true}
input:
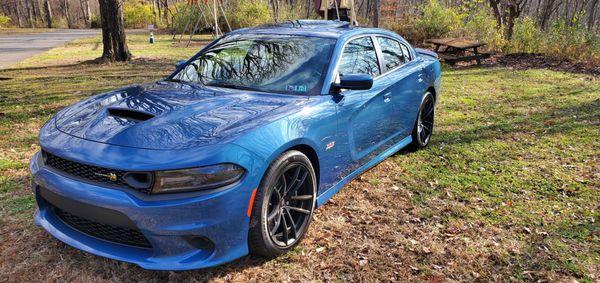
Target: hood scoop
{"points": [[129, 114]]}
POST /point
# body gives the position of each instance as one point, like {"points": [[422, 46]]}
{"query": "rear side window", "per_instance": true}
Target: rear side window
{"points": [[359, 57], [405, 53], [392, 52]]}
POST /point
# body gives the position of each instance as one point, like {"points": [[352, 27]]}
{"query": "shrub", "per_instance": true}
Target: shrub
{"points": [[437, 20], [137, 14], [527, 37], [4, 20], [569, 39], [481, 25], [95, 22], [248, 13], [406, 28]]}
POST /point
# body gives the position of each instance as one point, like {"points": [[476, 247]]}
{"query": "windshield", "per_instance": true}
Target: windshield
{"points": [[269, 63]]}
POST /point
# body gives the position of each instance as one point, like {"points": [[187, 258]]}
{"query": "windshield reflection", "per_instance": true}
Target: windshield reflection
{"points": [[274, 63]]}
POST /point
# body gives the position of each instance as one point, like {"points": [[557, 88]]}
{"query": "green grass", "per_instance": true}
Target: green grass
{"points": [[508, 189]]}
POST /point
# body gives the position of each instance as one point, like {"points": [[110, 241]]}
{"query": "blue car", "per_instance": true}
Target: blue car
{"points": [[231, 154]]}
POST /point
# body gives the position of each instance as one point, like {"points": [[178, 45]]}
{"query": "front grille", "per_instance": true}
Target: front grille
{"points": [[131, 237], [89, 172]]}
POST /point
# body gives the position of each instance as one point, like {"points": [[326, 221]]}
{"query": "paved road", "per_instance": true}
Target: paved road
{"points": [[16, 47]]}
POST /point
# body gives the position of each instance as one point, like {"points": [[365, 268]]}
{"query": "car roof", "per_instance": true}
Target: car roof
{"points": [[319, 28]]}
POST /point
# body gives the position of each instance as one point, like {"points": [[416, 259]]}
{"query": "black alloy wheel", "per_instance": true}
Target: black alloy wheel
{"points": [[283, 205], [424, 125]]}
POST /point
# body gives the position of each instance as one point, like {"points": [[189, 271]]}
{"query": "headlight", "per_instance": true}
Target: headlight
{"points": [[201, 178]]}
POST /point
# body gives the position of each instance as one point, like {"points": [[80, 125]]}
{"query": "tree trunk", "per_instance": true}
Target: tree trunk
{"points": [[35, 8], [66, 11], [48, 13], [592, 16], [547, 11], [495, 4], [29, 13], [18, 13], [376, 13], [275, 5], [113, 32], [166, 12], [85, 10], [511, 16]]}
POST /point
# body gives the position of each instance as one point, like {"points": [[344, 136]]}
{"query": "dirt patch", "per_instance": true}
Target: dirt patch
{"points": [[524, 61]]}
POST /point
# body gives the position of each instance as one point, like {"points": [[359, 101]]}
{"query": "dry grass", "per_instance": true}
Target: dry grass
{"points": [[507, 191]]}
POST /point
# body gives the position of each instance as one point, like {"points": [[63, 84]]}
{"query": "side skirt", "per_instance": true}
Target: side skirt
{"points": [[326, 195]]}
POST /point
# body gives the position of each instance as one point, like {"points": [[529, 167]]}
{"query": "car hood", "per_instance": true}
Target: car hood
{"points": [[169, 115]]}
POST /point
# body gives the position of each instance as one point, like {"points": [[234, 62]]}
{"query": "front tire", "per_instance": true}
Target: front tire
{"points": [[423, 128], [283, 205]]}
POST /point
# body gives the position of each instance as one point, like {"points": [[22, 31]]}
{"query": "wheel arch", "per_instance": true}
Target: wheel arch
{"points": [[433, 92], [312, 155]]}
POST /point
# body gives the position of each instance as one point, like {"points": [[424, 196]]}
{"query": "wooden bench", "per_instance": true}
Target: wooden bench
{"points": [[458, 49]]}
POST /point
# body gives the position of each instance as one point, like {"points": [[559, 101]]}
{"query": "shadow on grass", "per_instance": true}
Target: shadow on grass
{"points": [[85, 63], [564, 120]]}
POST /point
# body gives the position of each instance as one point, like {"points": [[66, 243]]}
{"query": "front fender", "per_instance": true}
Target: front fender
{"points": [[314, 125]]}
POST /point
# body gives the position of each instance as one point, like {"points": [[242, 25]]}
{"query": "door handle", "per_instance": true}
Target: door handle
{"points": [[387, 97]]}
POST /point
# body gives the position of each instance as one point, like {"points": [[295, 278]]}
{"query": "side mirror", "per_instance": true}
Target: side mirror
{"points": [[180, 63], [354, 81]]}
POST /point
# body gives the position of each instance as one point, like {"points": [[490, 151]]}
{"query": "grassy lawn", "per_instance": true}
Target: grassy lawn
{"points": [[509, 188], [23, 30]]}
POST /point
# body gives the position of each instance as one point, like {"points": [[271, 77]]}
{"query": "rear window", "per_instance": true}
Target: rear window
{"points": [[392, 52]]}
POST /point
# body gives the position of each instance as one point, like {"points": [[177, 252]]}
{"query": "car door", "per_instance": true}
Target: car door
{"points": [[407, 83], [364, 116]]}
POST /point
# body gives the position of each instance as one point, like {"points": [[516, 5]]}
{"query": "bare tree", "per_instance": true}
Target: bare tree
{"points": [[66, 11], [29, 11], [113, 32], [18, 12], [48, 13], [275, 7], [376, 12], [506, 13], [592, 15], [85, 10]]}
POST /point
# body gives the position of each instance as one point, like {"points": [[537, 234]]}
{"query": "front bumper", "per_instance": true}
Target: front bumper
{"points": [[167, 224]]}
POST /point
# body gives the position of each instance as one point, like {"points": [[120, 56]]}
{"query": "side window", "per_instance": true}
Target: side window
{"points": [[359, 57], [405, 53], [392, 52]]}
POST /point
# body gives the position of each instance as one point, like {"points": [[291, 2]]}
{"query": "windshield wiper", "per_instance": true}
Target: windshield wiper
{"points": [[233, 86], [182, 81]]}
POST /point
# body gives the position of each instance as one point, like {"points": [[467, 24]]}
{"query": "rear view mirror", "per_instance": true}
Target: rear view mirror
{"points": [[354, 81]]}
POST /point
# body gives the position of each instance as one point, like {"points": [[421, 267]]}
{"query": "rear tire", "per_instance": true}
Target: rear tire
{"points": [[283, 205], [423, 129]]}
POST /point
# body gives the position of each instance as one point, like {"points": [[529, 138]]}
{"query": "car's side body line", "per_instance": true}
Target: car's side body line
{"points": [[327, 194]]}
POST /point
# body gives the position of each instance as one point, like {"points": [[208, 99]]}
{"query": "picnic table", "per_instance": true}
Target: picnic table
{"points": [[458, 49]]}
